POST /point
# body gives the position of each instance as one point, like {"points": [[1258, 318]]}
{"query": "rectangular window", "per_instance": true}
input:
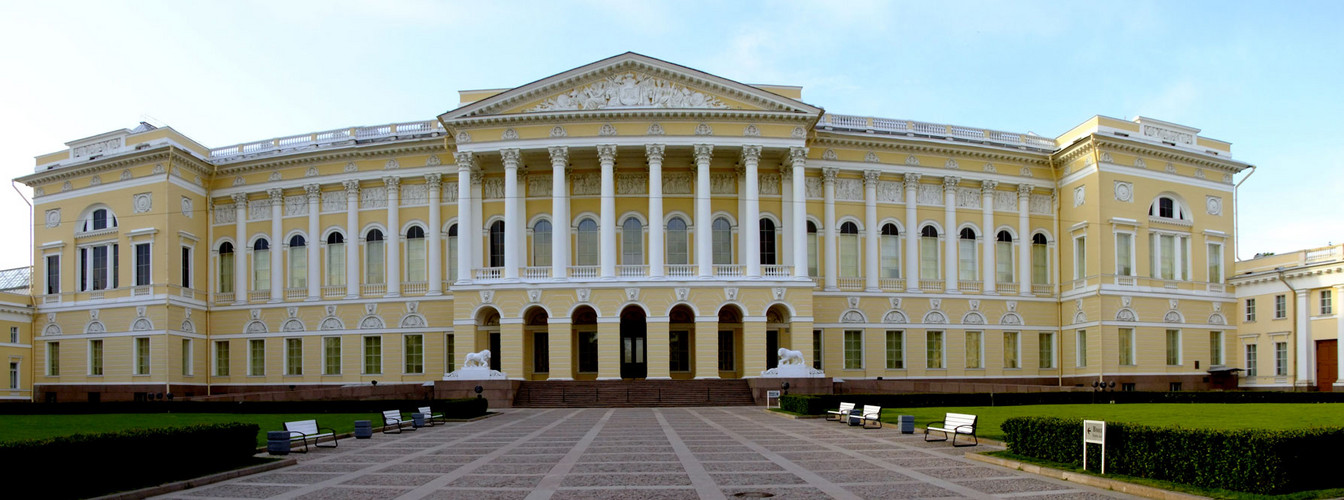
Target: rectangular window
{"points": [[1215, 262], [336, 263], [928, 258], [452, 257], [1047, 350], [226, 272], [541, 247], [1003, 267], [967, 269], [298, 266], [95, 357], [331, 356], [187, 367], [812, 254], [261, 270], [373, 355], [588, 352], [726, 350], [849, 255], [416, 270], [53, 274], [1080, 257], [1215, 348], [141, 356], [891, 256], [142, 261], [415, 353], [1280, 306], [13, 334], [853, 349], [54, 359], [933, 346], [293, 356], [373, 262], [186, 267], [895, 350], [1250, 310], [1124, 254], [1281, 359], [975, 350], [1126, 346], [1082, 348], [222, 358], [256, 357], [817, 349], [1252, 368], [679, 351], [450, 352], [13, 374], [100, 268], [1173, 347], [1012, 352], [1040, 260], [1327, 303]]}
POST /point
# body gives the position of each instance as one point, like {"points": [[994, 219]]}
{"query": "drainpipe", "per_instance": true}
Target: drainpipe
{"points": [[1293, 328], [32, 368]]}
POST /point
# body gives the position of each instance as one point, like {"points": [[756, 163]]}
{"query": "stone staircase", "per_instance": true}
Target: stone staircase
{"points": [[632, 393]]}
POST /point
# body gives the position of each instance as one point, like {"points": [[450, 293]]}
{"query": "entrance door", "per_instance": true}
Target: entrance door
{"points": [[1327, 367], [494, 351], [771, 345], [633, 346]]}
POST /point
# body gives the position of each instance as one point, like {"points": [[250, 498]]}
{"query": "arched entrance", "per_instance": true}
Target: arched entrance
{"points": [[583, 335], [536, 334], [634, 343], [730, 342], [680, 342], [487, 326], [776, 334]]}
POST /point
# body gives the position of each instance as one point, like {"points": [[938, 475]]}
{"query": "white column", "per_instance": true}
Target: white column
{"points": [[520, 236], [511, 226], [784, 250], [950, 238], [434, 183], [912, 233], [480, 237], [278, 270], [832, 260], [654, 152], [393, 244], [466, 230], [871, 263], [751, 159], [1024, 239], [989, 239], [798, 163], [314, 239], [241, 251], [1306, 356], [559, 212], [741, 246], [703, 250], [352, 277], [606, 157]]}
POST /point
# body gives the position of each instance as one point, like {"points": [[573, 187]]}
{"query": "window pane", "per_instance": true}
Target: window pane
{"points": [[588, 250], [1124, 265], [298, 266], [1082, 348], [142, 264], [1167, 252], [767, 245], [1215, 263], [849, 255], [1040, 265], [222, 358], [225, 272], [541, 244], [331, 356], [261, 272], [373, 355], [1126, 346], [891, 256], [895, 350], [336, 264], [727, 357], [497, 244], [415, 260], [1173, 347], [632, 242], [974, 349], [966, 260], [373, 261], [853, 349], [256, 358], [934, 349], [928, 258], [415, 354], [1046, 350], [293, 356], [1003, 266], [1010, 350], [676, 242], [722, 241]]}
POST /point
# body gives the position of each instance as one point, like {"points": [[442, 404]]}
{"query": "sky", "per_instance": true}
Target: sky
{"points": [[1264, 76]]}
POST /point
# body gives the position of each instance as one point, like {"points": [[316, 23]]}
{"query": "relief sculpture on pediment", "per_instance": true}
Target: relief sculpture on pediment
{"points": [[629, 90]]}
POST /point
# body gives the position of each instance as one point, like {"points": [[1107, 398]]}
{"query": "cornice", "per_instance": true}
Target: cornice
{"points": [[950, 149], [166, 152], [426, 145], [1303, 271], [1106, 143], [558, 117]]}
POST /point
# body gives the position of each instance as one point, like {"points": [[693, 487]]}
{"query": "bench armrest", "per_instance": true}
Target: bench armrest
{"points": [[959, 427]]}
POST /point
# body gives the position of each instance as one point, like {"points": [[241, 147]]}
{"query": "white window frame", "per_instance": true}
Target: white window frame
{"points": [[405, 248], [101, 358], [1119, 261], [335, 268], [1053, 360], [898, 362], [254, 370], [1327, 302], [405, 353], [188, 357], [53, 368], [1080, 348], [979, 351], [1080, 256], [1281, 359], [1129, 348], [1210, 260], [48, 288], [844, 347], [364, 355], [1179, 355], [1250, 309], [137, 358], [1280, 306], [214, 359], [1217, 355], [292, 265], [340, 355], [1251, 355], [942, 350], [289, 367], [1017, 350], [968, 259]]}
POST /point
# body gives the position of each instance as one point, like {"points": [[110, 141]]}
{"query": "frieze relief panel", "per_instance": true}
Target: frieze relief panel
{"points": [[720, 183], [296, 205], [768, 184], [1040, 204], [449, 192], [849, 189], [968, 198], [539, 185], [492, 188], [333, 201], [414, 195], [224, 214], [930, 194], [677, 183], [632, 183], [629, 90], [258, 209], [813, 188], [373, 197], [585, 184], [890, 192], [1005, 201]]}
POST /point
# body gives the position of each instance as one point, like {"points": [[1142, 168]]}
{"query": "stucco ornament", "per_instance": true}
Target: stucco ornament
{"points": [[629, 90], [476, 366]]}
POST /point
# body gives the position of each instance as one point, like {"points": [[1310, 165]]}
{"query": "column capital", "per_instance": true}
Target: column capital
{"points": [[276, 194], [351, 186], [606, 152], [950, 183], [829, 174], [654, 152], [912, 179], [559, 153], [1024, 189], [510, 156], [392, 181], [751, 153], [797, 155], [703, 152], [314, 191], [870, 177], [435, 181], [465, 159], [239, 198], [988, 186]]}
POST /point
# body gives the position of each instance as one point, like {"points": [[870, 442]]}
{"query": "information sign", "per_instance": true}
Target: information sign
{"points": [[1094, 431]]}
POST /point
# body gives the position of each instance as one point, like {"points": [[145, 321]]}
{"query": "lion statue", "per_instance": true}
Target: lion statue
{"points": [[790, 357], [477, 360]]}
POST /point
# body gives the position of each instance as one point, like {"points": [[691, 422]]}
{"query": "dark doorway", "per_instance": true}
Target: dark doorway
{"points": [[1327, 364], [771, 349], [494, 350], [634, 345]]}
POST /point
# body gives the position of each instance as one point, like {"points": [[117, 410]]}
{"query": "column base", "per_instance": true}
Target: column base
{"points": [[658, 378], [351, 297], [830, 289], [608, 378], [560, 379], [707, 377]]}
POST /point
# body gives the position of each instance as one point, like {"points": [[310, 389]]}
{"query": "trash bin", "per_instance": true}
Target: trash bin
{"points": [[417, 420], [277, 442], [855, 417], [906, 423], [363, 429]]}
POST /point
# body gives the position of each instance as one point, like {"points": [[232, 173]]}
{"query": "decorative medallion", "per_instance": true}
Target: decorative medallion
{"points": [[606, 130], [463, 137], [704, 129], [186, 207], [751, 131], [655, 129], [951, 163], [1214, 205], [275, 176], [799, 133], [912, 160], [351, 167], [143, 202], [53, 217], [509, 134], [1124, 191]]}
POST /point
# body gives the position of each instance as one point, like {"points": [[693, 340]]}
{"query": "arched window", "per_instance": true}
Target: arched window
{"points": [[497, 244], [261, 265], [588, 244], [928, 253], [849, 250], [1167, 207], [541, 243], [676, 242], [966, 258], [722, 240], [298, 262], [811, 249], [1040, 260], [416, 248], [373, 257], [767, 242], [632, 242], [226, 267], [452, 253], [336, 259], [1003, 257], [890, 251], [97, 220]]}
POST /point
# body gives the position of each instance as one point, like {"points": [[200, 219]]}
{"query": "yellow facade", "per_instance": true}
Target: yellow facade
{"points": [[876, 247]]}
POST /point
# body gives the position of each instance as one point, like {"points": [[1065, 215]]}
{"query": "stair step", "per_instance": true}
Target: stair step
{"points": [[633, 393]]}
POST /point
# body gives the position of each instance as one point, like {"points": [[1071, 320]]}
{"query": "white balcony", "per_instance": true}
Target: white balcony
{"points": [[330, 291], [415, 288], [373, 289], [728, 270], [488, 273], [681, 270], [896, 284], [584, 272], [258, 295], [223, 297], [776, 271], [296, 293], [931, 285], [537, 272], [849, 283], [625, 271], [970, 286]]}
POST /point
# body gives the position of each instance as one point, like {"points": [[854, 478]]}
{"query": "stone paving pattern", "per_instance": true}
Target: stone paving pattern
{"points": [[643, 453]]}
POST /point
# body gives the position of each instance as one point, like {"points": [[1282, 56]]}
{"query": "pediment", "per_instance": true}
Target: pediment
{"points": [[629, 81]]}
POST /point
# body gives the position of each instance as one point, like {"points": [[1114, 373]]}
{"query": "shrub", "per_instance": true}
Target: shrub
{"points": [[814, 404], [1255, 461], [461, 408], [84, 465]]}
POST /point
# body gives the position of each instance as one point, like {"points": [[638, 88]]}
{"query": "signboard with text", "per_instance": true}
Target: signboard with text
{"points": [[1094, 432]]}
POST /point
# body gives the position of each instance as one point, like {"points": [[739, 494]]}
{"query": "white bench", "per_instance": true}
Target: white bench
{"points": [[955, 424], [303, 430], [871, 413], [392, 419], [430, 416], [840, 414]]}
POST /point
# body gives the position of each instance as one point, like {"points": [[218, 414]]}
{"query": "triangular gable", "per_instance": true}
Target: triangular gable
{"points": [[630, 81]]}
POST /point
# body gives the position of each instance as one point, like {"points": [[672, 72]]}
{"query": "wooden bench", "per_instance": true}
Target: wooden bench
{"points": [[303, 430], [430, 416], [840, 414], [955, 424], [870, 413], [393, 419]]}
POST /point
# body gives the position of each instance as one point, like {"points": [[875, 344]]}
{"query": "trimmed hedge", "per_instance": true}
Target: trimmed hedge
{"points": [[816, 404], [85, 465], [461, 408], [1250, 460], [315, 407]]}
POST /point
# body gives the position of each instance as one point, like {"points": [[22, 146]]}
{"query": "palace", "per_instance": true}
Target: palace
{"points": [[636, 219]]}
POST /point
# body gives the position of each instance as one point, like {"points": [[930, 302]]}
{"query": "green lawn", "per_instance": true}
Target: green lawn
{"points": [[22, 427], [1213, 416]]}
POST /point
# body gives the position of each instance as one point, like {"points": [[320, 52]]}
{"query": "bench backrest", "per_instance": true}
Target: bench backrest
{"points": [[424, 410], [845, 407], [392, 416], [953, 420], [872, 410], [305, 426]]}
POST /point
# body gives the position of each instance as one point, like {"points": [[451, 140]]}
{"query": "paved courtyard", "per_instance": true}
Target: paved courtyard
{"points": [[642, 453]]}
